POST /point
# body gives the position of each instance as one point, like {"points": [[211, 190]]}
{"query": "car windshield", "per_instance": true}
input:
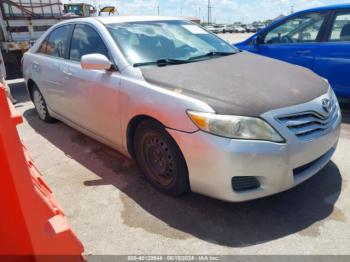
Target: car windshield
{"points": [[75, 9], [144, 43]]}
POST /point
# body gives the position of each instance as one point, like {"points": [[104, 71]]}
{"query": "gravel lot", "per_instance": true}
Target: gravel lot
{"points": [[235, 38], [114, 211]]}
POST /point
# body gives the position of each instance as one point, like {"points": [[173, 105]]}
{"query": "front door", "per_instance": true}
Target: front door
{"points": [[49, 64], [295, 41], [92, 96]]}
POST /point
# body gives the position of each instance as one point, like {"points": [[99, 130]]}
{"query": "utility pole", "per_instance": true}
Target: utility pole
{"points": [[158, 9], [209, 12]]}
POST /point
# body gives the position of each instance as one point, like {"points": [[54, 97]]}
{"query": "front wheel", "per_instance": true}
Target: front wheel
{"points": [[160, 159]]}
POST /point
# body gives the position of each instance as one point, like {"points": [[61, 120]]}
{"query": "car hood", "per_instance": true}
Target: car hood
{"points": [[241, 84]]}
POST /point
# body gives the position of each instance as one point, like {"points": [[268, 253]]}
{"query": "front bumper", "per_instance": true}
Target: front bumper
{"points": [[213, 161]]}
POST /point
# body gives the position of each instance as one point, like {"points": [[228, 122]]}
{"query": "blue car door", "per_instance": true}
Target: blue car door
{"points": [[294, 40], [332, 60]]}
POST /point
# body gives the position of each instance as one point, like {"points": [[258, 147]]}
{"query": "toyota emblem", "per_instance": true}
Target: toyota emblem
{"points": [[326, 105]]}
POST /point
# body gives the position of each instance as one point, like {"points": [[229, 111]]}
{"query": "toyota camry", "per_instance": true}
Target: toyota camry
{"points": [[195, 112]]}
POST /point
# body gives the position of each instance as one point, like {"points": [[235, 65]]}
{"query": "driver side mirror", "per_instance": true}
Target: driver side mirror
{"points": [[257, 40], [95, 62]]}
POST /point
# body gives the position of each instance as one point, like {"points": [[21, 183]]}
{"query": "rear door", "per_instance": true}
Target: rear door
{"points": [[48, 65], [2, 67], [294, 40], [332, 59]]}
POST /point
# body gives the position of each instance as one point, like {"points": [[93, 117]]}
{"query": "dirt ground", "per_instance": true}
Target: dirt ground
{"points": [[235, 38]]}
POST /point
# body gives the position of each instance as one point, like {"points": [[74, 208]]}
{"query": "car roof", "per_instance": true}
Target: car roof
{"points": [[125, 19], [325, 8], [315, 9], [119, 19]]}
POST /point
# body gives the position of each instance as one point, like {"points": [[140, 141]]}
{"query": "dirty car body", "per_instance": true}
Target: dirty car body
{"points": [[245, 126]]}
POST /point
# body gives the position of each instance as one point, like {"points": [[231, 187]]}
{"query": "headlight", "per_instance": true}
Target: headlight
{"points": [[239, 127], [333, 96]]}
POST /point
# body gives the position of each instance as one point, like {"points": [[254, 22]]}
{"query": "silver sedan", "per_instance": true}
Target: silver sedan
{"points": [[195, 112]]}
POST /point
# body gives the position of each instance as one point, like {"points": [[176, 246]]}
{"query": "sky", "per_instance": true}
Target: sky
{"points": [[223, 11]]}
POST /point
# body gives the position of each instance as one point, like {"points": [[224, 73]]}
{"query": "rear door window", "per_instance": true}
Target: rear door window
{"points": [[58, 41], [86, 40], [341, 28]]}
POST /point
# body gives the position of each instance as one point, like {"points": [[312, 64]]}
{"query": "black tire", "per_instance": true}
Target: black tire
{"points": [[160, 159], [40, 106]]}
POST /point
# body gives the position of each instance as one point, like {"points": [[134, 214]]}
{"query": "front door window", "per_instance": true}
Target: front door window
{"points": [[301, 29]]}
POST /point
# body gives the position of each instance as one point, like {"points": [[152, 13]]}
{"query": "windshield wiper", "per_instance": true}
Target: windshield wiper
{"points": [[212, 54], [162, 62], [169, 61]]}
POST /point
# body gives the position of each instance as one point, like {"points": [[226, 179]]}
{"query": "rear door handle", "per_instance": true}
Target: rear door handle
{"points": [[36, 65], [68, 74], [303, 52]]}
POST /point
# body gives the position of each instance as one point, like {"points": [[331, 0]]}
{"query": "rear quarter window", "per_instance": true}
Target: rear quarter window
{"points": [[43, 45]]}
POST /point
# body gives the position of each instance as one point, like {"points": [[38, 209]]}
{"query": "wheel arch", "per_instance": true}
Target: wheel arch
{"points": [[30, 87], [131, 128]]}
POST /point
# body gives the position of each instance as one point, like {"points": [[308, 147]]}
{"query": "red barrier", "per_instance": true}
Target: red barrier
{"points": [[31, 221]]}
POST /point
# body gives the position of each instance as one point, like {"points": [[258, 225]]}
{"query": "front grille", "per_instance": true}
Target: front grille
{"points": [[243, 183], [308, 125]]}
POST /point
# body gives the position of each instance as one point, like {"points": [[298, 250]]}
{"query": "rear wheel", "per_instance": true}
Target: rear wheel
{"points": [[160, 159], [40, 106]]}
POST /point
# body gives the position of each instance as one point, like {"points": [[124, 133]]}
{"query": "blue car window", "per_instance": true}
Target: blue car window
{"points": [[300, 29], [341, 28]]}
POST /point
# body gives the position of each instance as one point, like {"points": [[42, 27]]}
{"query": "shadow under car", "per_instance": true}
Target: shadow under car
{"points": [[222, 223]]}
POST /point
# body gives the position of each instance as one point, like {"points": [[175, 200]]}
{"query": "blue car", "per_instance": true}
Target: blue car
{"points": [[318, 39]]}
